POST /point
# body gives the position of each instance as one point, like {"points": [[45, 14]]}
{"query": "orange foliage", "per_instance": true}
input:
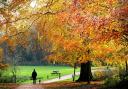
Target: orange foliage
{"points": [[3, 38], [95, 21], [83, 25]]}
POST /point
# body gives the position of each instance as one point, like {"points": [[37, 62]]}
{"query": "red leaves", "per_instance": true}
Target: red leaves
{"points": [[107, 36], [75, 2], [123, 12]]}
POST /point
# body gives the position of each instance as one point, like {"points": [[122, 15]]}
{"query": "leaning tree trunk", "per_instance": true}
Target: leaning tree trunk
{"points": [[85, 72]]}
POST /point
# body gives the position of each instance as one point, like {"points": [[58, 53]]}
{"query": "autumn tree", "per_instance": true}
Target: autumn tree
{"points": [[123, 18], [71, 31], [86, 30]]}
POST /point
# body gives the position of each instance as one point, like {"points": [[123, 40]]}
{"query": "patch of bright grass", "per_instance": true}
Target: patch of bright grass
{"points": [[43, 72]]}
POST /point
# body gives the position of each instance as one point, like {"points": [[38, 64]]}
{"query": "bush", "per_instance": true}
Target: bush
{"points": [[111, 82], [99, 75], [103, 74], [22, 79], [6, 79]]}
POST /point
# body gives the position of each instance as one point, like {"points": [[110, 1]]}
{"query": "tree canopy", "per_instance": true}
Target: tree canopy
{"points": [[72, 31]]}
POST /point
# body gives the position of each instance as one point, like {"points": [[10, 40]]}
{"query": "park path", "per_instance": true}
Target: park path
{"points": [[62, 78], [30, 86]]}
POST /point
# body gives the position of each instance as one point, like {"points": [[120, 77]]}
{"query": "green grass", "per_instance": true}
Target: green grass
{"points": [[24, 72]]}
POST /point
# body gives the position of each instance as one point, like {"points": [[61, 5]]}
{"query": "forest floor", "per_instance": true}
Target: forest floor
{"points": [[56, 85]]}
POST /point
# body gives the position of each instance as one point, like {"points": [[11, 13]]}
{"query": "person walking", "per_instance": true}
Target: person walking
{"points": [[34, 75]]}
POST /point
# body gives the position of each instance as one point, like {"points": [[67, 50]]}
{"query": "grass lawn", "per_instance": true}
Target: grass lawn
{"points": [[24, 72]]}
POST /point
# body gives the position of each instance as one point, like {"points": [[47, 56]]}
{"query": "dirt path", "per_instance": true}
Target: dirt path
{"points": [[63, 85], [30, 86]]}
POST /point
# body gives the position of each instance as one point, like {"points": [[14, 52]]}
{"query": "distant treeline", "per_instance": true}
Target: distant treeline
{"points": [[33, 54]]}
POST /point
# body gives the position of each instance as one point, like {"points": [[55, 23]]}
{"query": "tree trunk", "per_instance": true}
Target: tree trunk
{"points": [[85, 72], [126, 66], [74, 73]]}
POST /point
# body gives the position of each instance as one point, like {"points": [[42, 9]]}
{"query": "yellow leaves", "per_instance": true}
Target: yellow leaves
{"points": [[24, 13], [1, 55], [91, 32], [100, 50], [115, 25], [52, 57], [97, 7], [15, 3], [84, 58], [57, 6], [12, 30]]}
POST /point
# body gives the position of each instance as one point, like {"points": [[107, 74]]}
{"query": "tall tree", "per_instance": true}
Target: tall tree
{"points": [[71, 31], [88, 29]]}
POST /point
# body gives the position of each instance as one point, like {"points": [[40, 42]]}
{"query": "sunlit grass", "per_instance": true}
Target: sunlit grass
{"points": [[24, 72]]}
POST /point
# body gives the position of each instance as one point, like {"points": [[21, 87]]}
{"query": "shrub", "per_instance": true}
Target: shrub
{"points": [[6, 79], [111, 82], [103, 74]]}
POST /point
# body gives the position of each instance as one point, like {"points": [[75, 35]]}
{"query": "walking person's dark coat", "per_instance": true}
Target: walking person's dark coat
{"points": [[34, 75]]}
